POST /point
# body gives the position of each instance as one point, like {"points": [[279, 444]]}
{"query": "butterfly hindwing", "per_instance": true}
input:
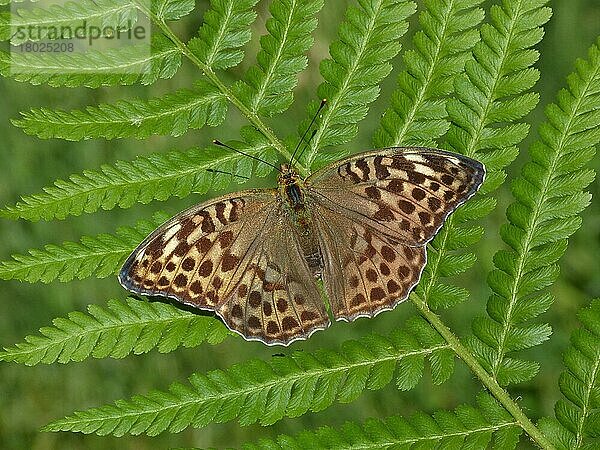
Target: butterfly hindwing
{"points": [[237, 256], [276, 300], [364, 272]]}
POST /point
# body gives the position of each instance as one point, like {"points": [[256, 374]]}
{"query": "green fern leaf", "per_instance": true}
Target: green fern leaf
{"points": [[100, 256], [98, 13], [122, 328], [485, 95], [577, 423], [262, 391], [226, 28], [367, 41], [417, 114], [125, 65], [549, 197], [172, 9], [155, 177], [267, 86], [172, 114], [488, 426]]}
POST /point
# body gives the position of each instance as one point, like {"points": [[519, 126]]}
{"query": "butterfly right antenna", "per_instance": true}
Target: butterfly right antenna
{"points": [[321, 106], [305, 146]]}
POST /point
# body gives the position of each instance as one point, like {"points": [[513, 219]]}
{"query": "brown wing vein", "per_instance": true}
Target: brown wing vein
{"points": [[288, 283], [328, 204]]}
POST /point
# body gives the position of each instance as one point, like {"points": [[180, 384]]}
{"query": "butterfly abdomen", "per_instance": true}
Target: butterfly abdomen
{"points": [[301, 216]]}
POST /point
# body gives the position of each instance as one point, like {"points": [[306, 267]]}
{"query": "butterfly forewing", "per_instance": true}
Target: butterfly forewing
{"points": [[405, 193], [238, 256], [192, 256], [375, 212]]}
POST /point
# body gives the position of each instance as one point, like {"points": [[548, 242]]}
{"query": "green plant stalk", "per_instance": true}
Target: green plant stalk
{"points": [[253, 118], [434, 263], [486, 379]]}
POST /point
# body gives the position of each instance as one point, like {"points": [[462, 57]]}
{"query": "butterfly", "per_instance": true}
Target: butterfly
{"points": [[360, 224]]}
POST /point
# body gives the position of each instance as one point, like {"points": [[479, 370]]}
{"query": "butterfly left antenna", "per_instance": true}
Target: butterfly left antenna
{"points": [[227, 173], [256, 158]]}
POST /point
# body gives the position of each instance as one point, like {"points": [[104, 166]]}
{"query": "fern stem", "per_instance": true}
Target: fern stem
{"points": [[252, 117], [586, 407], [488, 381]]}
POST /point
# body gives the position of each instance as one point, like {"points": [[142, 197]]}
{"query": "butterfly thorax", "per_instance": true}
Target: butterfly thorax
{"points": [[291, 188], [291, 192]]}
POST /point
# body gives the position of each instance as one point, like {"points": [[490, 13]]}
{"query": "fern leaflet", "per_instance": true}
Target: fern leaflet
{"points": [[170, 114], [488, 426], [549, 197], [576, 425], [367, 40], [125, 65], [268, 391], [98, 13], [485, 96], [116, 331], [267, 86], [154, 177], [100, 256], [417, 114], [172, 9], [226, 28]]}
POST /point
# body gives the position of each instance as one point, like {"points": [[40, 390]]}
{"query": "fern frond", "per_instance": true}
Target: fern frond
{"points": [[172, 9], [417, 114], [268, 391], [267, 86], [488, 426], [172, 114], [491, 89], [134, 326], [367, 40], [577, 417], [549, 196], [124, 65], [154, 177], [99, 13], [225, 29], [99, 255]]}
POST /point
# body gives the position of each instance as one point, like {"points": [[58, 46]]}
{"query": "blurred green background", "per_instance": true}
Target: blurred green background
{"points": [[32, 396]]}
